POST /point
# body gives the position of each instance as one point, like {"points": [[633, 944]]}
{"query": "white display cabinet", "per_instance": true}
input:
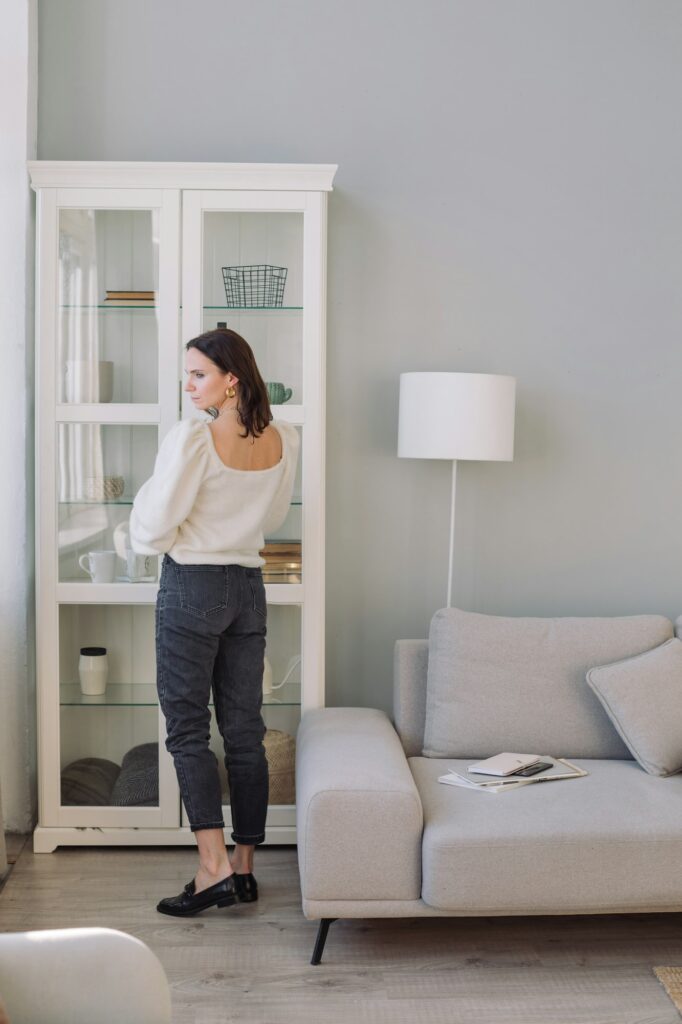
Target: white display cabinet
{"points": [[133, 260]]}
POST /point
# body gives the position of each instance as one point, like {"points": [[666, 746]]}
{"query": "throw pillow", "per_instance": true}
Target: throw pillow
{"points": [[643, 698]]}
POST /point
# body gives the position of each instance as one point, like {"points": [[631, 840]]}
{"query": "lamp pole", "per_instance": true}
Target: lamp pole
{"points": [[453, 496]]}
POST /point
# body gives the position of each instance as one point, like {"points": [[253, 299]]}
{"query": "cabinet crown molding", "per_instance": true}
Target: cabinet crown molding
{"points": [[140, 174]]}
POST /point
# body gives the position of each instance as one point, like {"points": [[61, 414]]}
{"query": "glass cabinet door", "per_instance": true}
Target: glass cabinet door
{"points": [[109, 368], [100, 467], [109, 722], [248, 249], [252, 282], [108, 326], [244, 268]]}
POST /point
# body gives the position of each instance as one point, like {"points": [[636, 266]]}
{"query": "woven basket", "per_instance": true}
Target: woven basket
{"points": [[280, 751]]}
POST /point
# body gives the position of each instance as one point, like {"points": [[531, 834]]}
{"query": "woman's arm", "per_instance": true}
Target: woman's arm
{"points": [[166, 499]]}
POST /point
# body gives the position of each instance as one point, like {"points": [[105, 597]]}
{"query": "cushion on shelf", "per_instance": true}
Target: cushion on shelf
{"points": [[138, 783], [496, 683], [280, 751], [89, 780], [643, 698]]}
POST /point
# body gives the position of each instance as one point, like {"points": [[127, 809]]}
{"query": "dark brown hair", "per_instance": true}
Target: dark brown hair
{"points": [[232, 354]]}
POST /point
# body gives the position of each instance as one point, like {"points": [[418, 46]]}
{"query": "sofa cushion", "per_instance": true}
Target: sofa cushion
{"points": [[611, 841], [497, 683], [643, 698]]}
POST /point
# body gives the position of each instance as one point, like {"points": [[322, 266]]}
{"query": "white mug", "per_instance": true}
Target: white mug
{"points": [[139, 566], [99, 565]]}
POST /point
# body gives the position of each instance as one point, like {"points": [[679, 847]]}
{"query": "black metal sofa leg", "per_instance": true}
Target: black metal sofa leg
{"points": [[321, 938]]}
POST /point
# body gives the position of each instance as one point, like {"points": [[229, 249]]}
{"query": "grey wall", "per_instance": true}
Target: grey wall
{"points": [[507, 201]]}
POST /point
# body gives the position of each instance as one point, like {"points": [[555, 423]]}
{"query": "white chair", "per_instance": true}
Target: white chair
{"points": [[81, 975]]}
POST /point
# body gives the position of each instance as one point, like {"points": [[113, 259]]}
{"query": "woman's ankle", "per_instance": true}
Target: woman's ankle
{"points": [[241, 866], [216, 869]]}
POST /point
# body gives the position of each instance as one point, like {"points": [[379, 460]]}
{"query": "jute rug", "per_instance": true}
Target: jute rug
{"points": [[671, 980]]}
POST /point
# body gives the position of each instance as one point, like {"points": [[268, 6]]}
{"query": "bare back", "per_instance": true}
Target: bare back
{"points": [[238, 452]]}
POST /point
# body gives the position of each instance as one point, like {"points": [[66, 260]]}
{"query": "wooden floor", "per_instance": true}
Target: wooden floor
{"points": [[251, 963]]}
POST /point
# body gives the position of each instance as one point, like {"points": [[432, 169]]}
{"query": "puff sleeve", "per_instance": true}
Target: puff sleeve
{"points": [[166, 499], [281, 501]]}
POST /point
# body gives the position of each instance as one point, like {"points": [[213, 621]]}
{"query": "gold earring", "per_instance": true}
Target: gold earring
{"points": [[230, 392]]}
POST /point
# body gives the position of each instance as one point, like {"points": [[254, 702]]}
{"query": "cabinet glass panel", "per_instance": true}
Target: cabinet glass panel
{"points": [[100, 468], [109, 724], [253, 284], [283, 547], [107, 331]]}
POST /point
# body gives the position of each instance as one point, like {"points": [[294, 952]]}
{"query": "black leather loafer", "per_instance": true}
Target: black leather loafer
{"points": [[247, 888], [222, 894]]}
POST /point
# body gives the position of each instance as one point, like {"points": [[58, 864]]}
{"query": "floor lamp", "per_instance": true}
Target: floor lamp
{"points": [[456, 416]]}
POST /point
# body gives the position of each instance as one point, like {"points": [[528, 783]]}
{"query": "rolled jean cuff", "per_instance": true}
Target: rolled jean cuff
{"points": [[210, 824], [247, 840]]}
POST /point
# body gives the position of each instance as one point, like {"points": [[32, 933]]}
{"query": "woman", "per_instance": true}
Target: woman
{"points": [[219, 486]]}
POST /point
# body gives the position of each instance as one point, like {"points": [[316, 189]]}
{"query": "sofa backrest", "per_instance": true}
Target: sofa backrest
{"points": [[482, 684], [410, 664]]}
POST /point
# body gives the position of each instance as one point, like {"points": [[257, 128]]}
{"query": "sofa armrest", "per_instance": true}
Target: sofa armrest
{"points": [[359, 816]]}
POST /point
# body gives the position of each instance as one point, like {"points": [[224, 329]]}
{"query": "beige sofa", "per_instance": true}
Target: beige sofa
{"points": [[378, 836]]}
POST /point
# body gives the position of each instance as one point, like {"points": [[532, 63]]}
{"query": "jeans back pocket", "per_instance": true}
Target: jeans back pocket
{"points": [[202, 589]]}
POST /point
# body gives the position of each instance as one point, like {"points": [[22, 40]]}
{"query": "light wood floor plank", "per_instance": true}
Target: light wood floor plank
{"points": [[251, 963]]}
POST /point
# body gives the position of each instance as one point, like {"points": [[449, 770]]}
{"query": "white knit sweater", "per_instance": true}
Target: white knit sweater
{"points": [[201, 511]]}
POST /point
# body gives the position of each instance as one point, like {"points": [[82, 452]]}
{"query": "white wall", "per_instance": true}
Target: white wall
{"points": [[18, 104], [507, 201]]}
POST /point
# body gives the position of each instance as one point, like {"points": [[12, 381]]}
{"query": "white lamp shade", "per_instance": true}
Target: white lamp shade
{"points": [[456, 416]]}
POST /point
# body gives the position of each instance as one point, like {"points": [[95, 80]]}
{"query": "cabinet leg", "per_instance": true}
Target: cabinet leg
{"points": [[321, 938]]}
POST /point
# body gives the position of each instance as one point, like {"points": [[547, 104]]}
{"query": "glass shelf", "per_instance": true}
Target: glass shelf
{"points": [[93, 501], [114, 308], [257, 309], [144, 695], [137, 308], [129, 501], [117, 695]]}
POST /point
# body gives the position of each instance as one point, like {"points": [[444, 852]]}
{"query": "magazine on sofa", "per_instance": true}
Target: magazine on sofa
{"points": [[560, 769]]}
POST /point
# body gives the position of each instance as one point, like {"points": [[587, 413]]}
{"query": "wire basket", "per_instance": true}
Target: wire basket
{"points": [[255, 286]]}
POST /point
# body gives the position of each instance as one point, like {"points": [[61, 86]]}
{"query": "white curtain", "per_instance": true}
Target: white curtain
{"points": [[80, 444]]}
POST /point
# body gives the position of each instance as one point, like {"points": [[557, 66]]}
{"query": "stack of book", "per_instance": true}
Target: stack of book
{"points": [[129, 298], [282, 561]]}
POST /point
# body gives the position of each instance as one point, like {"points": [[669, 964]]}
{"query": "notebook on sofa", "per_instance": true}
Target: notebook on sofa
{"points": [[560, 769]]}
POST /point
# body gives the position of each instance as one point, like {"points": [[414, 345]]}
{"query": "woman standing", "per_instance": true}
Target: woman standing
{"points": [[218, 488]]}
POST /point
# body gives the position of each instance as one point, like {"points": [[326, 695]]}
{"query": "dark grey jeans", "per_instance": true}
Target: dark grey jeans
{"points": [[210, 636]]}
